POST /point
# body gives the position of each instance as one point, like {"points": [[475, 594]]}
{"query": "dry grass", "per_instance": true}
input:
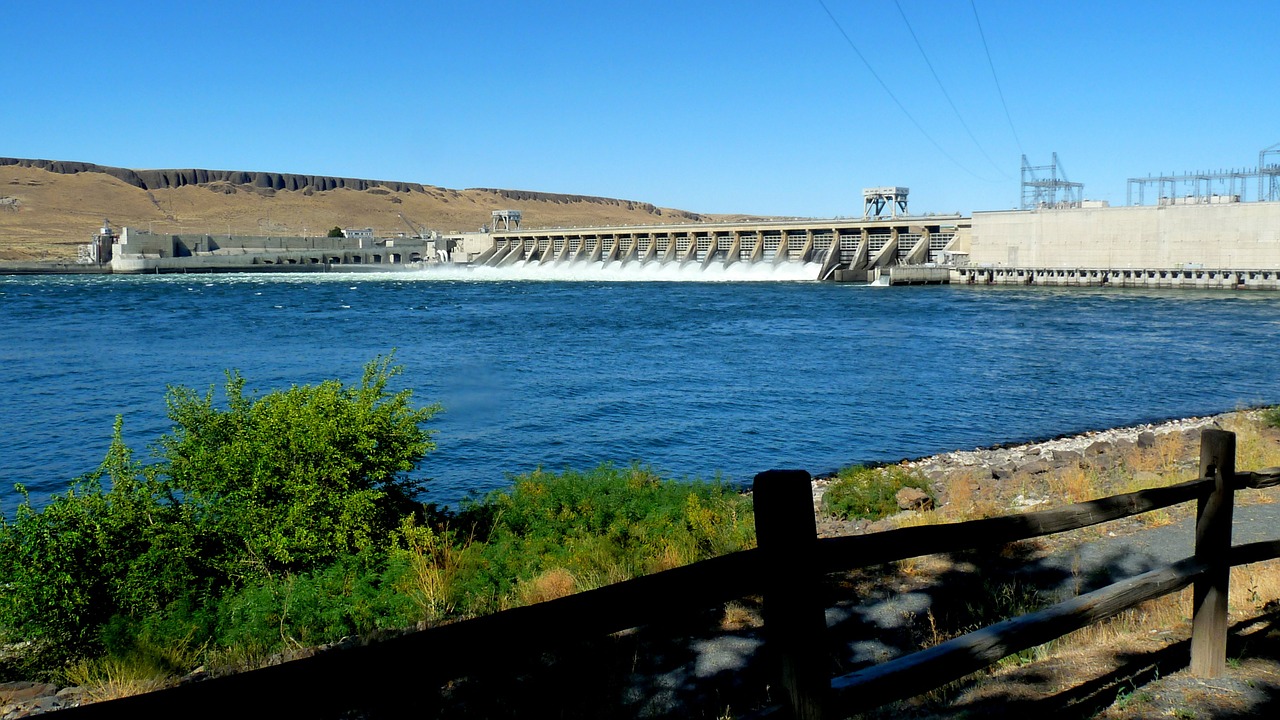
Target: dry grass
{"points": [[434, 562], [1171, 459], [550, 585], [671, 557], [1164, 457], [58, 212], [1075, 484], [967, 496], [1254, 587], [111, 678], [738, 616]]}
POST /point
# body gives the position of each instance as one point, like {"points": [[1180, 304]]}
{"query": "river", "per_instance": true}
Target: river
{"points": [[694, 378]]}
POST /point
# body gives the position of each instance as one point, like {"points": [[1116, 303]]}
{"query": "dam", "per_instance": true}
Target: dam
{"points": [[1200, 239], [1231, 245], [841, 250]]}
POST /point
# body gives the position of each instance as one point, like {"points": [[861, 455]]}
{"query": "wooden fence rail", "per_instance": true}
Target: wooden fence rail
{"points": [[1208, 570], [786, 569]]}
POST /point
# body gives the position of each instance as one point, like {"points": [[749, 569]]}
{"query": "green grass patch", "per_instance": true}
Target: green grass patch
{"points": [[870, 493]]}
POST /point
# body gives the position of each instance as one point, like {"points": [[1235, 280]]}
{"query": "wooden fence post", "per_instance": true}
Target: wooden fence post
{"points": [[1213, 546], [795, 622]]}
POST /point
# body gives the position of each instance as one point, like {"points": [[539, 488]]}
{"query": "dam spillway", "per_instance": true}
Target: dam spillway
{"points": [[840, 249]]}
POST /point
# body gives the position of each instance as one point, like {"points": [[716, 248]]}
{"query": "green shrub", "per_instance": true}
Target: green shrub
{"points": [[90, 554], [297, 478], [1271, 416], [601, 526], [870, 493], [307, 609], [251, 496]]}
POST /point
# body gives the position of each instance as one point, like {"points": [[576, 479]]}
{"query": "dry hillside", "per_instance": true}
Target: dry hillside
{"points": [[49, 207]]}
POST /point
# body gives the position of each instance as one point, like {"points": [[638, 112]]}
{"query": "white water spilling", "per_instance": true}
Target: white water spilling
{"points": [[629, 272]]}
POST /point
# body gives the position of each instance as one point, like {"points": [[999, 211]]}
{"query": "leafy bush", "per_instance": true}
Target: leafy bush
{"points": [[298, 478], [870, 493], [89, 554], [288, 483], [602, 526], [1271, 416]]}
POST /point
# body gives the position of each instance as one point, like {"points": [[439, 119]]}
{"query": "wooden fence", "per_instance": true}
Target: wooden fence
{"points": [[786, 569]]}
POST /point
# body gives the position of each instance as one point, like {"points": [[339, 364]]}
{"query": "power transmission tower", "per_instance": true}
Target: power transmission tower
{"points": [[1046, 186]]}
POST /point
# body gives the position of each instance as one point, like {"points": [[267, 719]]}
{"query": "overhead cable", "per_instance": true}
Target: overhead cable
{"points": [[946, 94], [995, 77], [893, 97]]}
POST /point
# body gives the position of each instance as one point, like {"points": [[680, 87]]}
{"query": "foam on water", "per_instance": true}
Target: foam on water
{"points": [[628, 272]]}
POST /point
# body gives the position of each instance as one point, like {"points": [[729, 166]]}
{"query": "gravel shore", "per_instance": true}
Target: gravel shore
{"points": [[1002, 461]]}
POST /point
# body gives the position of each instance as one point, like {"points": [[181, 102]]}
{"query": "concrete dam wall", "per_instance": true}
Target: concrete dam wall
{"points": [[840, 249], [1236, 235]]}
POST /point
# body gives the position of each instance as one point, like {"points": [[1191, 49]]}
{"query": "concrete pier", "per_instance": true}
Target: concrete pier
{"points": [[1187, 278]]}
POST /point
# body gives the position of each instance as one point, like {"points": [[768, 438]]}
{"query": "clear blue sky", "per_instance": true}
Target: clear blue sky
{"points": [[757, 107]]}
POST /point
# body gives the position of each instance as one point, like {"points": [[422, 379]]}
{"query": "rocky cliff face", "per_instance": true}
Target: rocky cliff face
{"points": [[160, 179]]}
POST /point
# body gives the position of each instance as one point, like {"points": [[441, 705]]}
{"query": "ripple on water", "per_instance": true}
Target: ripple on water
{"points": [[694, 378]]}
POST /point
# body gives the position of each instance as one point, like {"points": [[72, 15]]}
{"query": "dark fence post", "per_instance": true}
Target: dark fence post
{"points": [[794, 615], [1213, 546]]}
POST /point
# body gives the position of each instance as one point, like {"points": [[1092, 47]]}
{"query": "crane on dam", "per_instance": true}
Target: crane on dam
{"points": [[415, 231]]}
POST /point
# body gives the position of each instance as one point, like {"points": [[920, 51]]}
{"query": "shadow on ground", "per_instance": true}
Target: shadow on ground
{"points": [[700, 669]]}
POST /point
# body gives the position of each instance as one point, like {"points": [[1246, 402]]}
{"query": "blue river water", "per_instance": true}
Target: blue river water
{"points": [[694, 378]]}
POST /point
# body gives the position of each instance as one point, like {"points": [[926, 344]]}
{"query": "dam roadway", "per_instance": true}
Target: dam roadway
{"points": [[849, 250]]}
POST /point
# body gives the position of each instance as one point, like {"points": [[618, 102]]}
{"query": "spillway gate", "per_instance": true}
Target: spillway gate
{"points": [[846, 249]]}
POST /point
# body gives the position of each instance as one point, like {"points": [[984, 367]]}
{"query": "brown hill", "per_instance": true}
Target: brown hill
{"points": [[49, 207]]}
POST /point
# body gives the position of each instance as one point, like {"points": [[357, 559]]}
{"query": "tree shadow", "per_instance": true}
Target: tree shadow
{"points": [[696, 668], [1138, 669]]}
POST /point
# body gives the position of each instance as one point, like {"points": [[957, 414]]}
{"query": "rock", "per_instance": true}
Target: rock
{"points": [[1003, 472], [1065, 458], [1098, 447], [1192, 436], [23, 690], [935, 473], [71, 695], [1035, 467], [1022, 501], [910, 498], [1146, 439]]}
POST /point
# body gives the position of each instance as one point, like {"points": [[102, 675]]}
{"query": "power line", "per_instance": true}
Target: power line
{"points": [[946, 94], [893, 97], [995, 77]]}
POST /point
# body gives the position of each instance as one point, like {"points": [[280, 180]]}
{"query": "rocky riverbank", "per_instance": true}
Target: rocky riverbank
{"points": [[24, 699], [987, 468]]}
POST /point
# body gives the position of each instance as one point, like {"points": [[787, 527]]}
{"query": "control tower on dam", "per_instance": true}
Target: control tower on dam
{"points": [[848, 250]]}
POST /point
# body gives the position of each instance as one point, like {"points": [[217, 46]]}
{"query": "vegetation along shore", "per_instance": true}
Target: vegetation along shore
{"points": [[266, 527]]}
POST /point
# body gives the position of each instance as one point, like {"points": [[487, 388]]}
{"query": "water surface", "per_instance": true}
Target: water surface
{"points": [[695, 378]]}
